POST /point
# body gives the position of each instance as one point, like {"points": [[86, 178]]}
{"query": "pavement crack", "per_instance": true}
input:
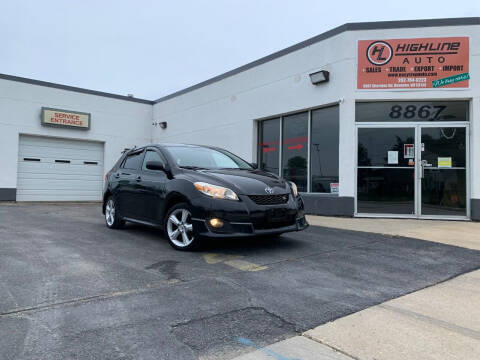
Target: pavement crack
{"points": [[87, 299], [254, 308], [231, 282], [437, 322], [334, 348], [216, 336]]}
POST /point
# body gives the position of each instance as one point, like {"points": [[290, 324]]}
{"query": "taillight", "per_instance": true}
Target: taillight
{"points": [[106, 177]]}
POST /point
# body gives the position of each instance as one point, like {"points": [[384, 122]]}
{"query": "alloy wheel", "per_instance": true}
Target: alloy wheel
{"points": [[179, 228], [110, 212]]}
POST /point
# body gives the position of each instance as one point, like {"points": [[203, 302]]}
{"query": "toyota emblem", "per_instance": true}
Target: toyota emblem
{"points": [[269, 190]]}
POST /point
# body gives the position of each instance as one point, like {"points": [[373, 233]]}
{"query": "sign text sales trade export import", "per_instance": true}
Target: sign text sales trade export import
{"points": [[402, 64]]}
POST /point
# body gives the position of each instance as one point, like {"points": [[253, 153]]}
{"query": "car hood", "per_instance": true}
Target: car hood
{"points": [[243, 182]]}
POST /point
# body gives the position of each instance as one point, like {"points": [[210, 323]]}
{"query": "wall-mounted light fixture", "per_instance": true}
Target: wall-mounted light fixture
{"points": [[319, 77], [162, 124]]}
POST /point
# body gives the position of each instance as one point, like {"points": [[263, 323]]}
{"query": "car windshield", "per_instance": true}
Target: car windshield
{"points": [[206, 158]]}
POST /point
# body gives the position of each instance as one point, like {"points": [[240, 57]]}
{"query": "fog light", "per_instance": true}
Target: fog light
{"points": [[216, 223]]}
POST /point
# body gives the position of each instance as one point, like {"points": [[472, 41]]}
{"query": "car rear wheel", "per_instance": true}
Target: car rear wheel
{"points": [[112, 218], [179, 227]]}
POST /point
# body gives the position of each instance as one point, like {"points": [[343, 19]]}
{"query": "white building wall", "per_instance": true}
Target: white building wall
{"points": [[224, 113], [117, 123]]}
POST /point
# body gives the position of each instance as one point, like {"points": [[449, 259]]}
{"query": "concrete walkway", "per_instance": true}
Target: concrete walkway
{"points": [[295, 348], [459, 233], [439, 322]]}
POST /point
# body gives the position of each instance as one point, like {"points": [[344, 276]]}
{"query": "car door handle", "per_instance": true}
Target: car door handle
{"points": [[139, 178], [117, 175]]}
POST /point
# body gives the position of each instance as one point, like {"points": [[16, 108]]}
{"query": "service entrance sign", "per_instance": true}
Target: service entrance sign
{"points": [[423, 63], [65, 118]]}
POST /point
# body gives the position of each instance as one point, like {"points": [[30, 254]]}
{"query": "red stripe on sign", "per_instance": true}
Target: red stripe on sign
{"points": [[295, 147], [266, 150]]}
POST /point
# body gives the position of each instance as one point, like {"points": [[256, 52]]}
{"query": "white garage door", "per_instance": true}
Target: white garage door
{"points": [[51, 169]]}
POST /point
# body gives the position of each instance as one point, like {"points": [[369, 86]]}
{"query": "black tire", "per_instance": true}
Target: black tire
{"points": [[112, 220], [185, 238]]}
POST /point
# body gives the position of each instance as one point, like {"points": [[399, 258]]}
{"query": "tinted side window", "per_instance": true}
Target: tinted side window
{"points": [[151, 155], [133, 161]]}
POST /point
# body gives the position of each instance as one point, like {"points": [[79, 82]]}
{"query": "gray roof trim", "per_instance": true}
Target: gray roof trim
{"points": [[73, 88], [377, 25]]}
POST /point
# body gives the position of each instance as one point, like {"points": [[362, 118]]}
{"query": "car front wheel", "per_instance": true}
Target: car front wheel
{"points": [[112, 218], [179, 228]]}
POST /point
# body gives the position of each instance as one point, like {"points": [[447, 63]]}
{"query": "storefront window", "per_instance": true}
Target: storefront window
{"points": [[268, 145], [294, 149], [324, 150]]}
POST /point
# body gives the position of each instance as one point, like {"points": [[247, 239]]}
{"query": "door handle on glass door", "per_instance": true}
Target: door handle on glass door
{"points": [[424, 164]]}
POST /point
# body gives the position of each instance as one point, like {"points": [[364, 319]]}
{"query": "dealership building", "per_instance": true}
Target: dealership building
{"points": [[374, 119]]}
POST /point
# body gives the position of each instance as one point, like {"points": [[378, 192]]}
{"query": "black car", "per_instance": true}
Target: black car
{"points": [[194, 191]]}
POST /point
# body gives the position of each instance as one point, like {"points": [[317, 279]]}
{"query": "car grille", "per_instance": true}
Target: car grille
{"points": [[271, 223], [269, 199]]}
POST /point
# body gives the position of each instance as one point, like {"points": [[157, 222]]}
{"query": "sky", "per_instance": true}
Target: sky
{"points": [[154, 48]]}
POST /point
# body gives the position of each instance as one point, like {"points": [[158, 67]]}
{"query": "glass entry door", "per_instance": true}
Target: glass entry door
{"points": [[412, 170], [443, 171], [385, 176]]}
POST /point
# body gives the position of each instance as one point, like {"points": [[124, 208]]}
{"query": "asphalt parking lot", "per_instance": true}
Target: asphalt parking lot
{"points": [[72, 289]]}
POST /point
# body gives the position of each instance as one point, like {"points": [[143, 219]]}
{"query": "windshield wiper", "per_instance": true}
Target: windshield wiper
{"points": [[234, 168], [191, 167]]}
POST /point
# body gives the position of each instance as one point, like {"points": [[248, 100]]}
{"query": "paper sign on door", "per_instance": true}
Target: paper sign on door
{"points": [[334, 188], [393, 157], [408, 151], [444, 162]]}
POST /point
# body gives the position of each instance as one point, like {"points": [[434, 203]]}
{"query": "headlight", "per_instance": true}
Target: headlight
{"points": [[217, 192], [294, 188]]}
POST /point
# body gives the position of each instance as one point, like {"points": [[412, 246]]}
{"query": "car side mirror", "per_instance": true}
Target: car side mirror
{"points": [[254, 165], [155, 165]]}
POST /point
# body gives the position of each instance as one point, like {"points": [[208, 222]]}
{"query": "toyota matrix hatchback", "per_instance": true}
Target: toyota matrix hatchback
{"points": [[196, 191]]}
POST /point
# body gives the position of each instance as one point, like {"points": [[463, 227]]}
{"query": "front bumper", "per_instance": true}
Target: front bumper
{"points": [[246, 218]]}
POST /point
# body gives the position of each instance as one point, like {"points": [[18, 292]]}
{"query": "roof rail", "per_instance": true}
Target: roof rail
{"points": [[129, 149]]}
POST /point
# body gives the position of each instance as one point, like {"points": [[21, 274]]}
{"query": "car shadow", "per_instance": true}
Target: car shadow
{"points": [[257, 244], [251, 244]]}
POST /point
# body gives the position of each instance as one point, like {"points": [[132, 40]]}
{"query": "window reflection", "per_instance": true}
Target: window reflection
{"points": [[375, 143], [294, 149], [444, 142], [444, 192], [268, 146], [387, 191], [324, 149]]}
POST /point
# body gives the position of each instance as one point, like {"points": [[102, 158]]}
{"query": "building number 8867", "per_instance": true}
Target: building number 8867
{"points": [[424, 112]]}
